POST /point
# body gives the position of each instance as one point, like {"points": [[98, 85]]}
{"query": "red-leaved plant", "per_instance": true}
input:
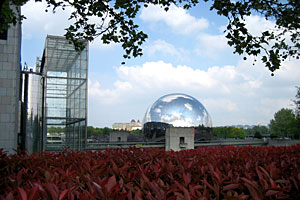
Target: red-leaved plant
{"points": [[136, 173]]}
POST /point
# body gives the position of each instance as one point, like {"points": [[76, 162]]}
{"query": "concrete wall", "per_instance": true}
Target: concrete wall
{"points": [[118, 137], [282, 142], [9, 88], [179, 138]]}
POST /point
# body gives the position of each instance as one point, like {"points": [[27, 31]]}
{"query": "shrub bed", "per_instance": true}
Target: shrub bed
{"points": [[133, 173]]}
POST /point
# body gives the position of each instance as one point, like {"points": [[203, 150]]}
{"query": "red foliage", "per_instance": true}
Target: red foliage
{"points": [[204, 173]]}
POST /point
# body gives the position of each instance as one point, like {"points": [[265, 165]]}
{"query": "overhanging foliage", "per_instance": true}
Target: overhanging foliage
{"points": [[116, 24]]}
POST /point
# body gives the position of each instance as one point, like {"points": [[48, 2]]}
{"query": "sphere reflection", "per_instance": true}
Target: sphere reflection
{"points": [[178, 110]]}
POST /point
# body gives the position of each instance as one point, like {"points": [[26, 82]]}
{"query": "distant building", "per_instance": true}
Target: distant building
{"points": [[120, 126], [133, 125]]}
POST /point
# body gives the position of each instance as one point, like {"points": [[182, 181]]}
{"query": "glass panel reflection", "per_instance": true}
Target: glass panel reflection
{"points": [[66, 97]]}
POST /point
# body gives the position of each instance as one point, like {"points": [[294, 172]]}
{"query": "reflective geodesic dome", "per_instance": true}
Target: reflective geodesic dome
{"points": [[179, 110]]}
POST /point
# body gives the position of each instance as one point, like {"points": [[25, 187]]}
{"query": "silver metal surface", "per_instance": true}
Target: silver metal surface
{"points": [[178, 109]]}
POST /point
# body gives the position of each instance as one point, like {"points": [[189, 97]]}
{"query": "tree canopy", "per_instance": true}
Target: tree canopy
{"points": [[297, 102], [257, 131], [297, 110], [116, 24], [94, 131], [229, 132], [284, 124]]}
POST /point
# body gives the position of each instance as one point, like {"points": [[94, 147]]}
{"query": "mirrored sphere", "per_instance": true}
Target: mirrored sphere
{"points": [[179, 110]]}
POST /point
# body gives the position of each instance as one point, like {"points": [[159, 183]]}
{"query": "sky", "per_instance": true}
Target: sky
{"points": [[186, 52]]}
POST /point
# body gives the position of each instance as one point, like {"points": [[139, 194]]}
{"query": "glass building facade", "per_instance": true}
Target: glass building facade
{"points": [[65, 94]]}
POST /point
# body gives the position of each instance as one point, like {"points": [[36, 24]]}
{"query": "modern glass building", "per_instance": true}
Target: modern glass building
{"points": [[65, 94], [51, 98]]}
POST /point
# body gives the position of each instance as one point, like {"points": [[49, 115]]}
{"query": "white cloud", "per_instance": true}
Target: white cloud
{"points": [[161, 46], [215, 45], [160, 74], [157, 76], [178, 119], [188, 106], [213, 41], [108, 96], [39, 23], [231, 94], [276, 103], [222, 104], [177, 18], [170, 98], [256, 24], [157, 110], [212, 46], [98, 44]]}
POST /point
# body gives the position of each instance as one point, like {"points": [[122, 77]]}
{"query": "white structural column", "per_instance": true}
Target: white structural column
{"points": [[118, 137], [10, 48], [179, 138]]}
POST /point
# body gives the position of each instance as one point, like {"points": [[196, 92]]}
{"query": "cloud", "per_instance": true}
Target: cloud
{"points": [[256, 24], [213, 41], [168, 99], [277, 103], [214, 46], [188, 106], [162, 47], [108, 96], [177, 18], [98, 44], [222, 104], [40, 23], [159, 74], [231, 94], [178, 119]]}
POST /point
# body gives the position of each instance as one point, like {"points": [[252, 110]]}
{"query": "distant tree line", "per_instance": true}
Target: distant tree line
{"points": [[91, 131], [229, 132], [258, 131], [241, 133]]}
